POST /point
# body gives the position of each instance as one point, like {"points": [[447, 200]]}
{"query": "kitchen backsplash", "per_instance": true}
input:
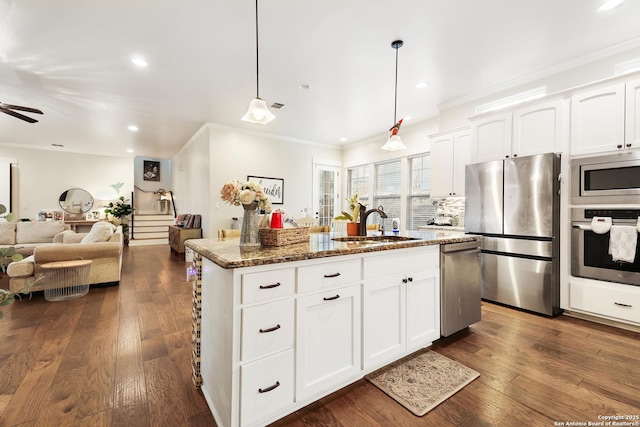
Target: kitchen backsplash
{"points": [[451, 207]]}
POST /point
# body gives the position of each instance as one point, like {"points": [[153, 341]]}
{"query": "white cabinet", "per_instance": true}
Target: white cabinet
{"points": [[605, 299], [450, 153], [597, 120], [401, 304], [491, 137], [275, 338], [632, 116], [524, 131], [537, 129], [328, 340]]}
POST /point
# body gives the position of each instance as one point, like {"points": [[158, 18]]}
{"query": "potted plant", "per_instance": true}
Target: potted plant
{"points": [[353, 216], [120, 210]]}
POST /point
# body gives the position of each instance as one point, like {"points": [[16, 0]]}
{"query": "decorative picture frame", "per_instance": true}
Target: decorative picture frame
{"points": [[151, 170], [273, 187]]}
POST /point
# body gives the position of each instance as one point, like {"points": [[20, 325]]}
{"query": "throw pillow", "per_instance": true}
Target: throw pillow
{"points": [[7, 233], [38, 231], [100, 232]]}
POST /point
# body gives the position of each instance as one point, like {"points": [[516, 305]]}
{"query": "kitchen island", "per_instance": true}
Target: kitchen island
{"points": [[277, 328]]}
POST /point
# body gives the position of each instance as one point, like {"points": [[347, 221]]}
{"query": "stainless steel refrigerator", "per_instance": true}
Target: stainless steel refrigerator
{"points": [[515, 204]]}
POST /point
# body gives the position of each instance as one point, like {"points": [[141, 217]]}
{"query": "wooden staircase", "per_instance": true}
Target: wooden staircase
{"points": [[150, 229]]}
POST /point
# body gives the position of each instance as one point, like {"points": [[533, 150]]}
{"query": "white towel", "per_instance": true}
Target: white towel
{"points": [[601, 224], [622, 243]]}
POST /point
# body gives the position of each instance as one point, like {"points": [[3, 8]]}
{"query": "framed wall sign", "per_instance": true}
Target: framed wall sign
{"points": [[273, 187]]}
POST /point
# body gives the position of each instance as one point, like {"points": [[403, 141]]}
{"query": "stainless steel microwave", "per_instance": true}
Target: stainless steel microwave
{"points": [[612, 179]]}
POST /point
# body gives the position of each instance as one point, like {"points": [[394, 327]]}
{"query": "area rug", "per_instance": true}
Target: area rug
{"points": [[422, 381]]}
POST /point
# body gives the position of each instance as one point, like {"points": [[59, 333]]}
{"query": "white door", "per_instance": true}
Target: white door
{"points": [[423, 308], [597, 120], [328, 340], [537, 129], [384, 320], [632, 122], [325, 192], [491, 138], [442, 153]]}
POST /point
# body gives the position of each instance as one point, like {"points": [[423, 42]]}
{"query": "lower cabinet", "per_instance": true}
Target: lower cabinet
{"points": [[606, 299], [401, 304], [276, 338], [327, 339], [266, 386]]}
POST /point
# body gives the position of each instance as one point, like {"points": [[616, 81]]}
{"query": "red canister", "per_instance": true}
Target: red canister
{"points": [[276, 219]]}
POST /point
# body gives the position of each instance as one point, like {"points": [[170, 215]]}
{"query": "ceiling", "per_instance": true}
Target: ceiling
{"points": [[72, 60]]}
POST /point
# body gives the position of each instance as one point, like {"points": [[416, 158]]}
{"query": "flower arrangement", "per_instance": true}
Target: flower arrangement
{"points": [[354, 206], [238, 193]]}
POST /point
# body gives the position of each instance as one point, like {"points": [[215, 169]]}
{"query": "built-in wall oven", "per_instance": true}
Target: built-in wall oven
{"points": [[590, 250]]}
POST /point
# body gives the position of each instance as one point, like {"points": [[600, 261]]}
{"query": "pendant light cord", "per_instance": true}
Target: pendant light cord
{"points": [[258, 57], [395, 101]]}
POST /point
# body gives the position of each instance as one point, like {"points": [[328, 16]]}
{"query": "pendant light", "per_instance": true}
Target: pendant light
{"points": [[394, 143], [258, 111]]}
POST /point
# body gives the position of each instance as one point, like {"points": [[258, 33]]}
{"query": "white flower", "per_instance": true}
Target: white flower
{"points": [[247, 196]]}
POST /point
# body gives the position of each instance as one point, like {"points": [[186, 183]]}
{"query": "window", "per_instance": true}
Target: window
{"points": [[359, 183], [386, 191], [420, 208]]}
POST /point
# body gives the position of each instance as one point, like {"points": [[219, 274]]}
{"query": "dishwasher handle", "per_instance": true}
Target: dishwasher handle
{"points": [[457, 247]]}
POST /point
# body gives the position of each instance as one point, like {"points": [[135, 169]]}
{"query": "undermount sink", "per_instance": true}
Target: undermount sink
{"points": [[373, 239]]}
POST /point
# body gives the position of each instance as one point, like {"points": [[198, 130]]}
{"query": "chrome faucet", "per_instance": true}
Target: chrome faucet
{"points": [[362, 226]]}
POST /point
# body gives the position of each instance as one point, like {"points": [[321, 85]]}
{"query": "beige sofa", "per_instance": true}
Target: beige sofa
{"points": [[106, 254], [26, 236]]}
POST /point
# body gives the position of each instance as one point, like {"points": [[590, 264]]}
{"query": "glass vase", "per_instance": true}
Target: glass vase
{"points": [[250, 233]]}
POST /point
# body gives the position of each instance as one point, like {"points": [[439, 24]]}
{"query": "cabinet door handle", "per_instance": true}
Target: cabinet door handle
{"points": [[405, 280], [619, 146], [331, 298], [268, 389], [410, 279], [623, 305], [515, 155], [327, 276], [275, 285], [275, 328], [628, 145]]}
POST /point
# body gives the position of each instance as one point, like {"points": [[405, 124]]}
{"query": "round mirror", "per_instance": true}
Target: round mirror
{"points": [[76, 201]]}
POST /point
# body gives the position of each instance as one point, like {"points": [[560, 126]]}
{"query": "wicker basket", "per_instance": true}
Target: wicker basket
{"points": [[283, 236]]}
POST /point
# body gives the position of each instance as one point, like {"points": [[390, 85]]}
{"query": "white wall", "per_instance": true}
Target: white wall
{"points": [[233, 154], [40, 176]]}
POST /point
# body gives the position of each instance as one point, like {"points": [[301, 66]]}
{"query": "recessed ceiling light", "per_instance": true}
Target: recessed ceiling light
{"points": [[609, 4], [304, 87], [129, 150], [343, 139], [406, 119], [139, 62], [422, 85], [133, 128]]}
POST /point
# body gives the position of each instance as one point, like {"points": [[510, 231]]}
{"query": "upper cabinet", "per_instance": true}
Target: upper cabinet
{"points": [[450, 153], [525, 131], [598, 120], [632, 117]]}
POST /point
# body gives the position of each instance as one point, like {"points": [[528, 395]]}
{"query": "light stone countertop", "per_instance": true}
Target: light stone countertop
{"points": [[227, 253], [440, 227]]}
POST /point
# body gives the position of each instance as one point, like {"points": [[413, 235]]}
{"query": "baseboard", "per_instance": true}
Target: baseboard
{"points": [[602, 321]]}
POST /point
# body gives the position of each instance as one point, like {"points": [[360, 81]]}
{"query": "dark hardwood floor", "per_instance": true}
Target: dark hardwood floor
{"points": [[120, 357]]}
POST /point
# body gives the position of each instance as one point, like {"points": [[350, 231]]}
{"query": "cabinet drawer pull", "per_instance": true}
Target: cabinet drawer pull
{"points": [[275, 328], [275, 285], [327, 276], [268, 389], [331, 298], [623, 305]]}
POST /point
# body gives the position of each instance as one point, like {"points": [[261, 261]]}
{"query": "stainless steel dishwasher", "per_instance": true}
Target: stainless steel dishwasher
{"points": [[460, 286]]}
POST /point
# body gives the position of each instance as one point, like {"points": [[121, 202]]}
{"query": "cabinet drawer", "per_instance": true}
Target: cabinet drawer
{"points": [[266, 386], [328, 275], [610, 299], [267, 285], [401, 261], [267, 328]]}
